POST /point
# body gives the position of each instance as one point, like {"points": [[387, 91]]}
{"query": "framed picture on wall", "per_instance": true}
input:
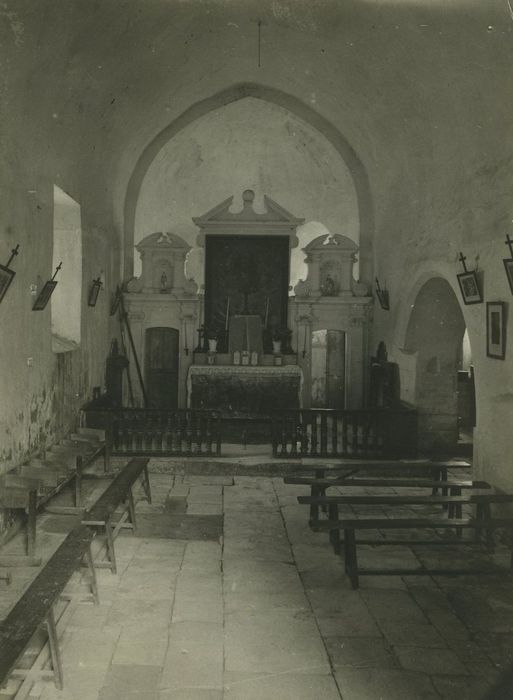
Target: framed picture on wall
{"points": [[44, 295], [508, 266], [94, 291], [6, 277], [496, 329], [469, 287]]}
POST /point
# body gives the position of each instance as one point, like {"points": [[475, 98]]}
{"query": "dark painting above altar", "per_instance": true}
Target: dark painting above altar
{"points": [[246, 275]]}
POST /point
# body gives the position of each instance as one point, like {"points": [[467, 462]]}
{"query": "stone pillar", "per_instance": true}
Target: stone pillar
{"points": [[179, 274]]}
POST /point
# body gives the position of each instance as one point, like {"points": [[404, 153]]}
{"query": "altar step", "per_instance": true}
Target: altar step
{"points": [[254, 460]]}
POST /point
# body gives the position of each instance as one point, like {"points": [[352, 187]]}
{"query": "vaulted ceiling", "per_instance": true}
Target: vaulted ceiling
{"points": [[420, 89]]}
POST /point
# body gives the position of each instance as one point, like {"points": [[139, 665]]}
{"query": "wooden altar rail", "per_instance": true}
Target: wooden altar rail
{"points": [[368, 433], [163, 432]]}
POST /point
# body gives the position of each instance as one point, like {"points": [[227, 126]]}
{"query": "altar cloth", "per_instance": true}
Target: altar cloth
{"points": [[244, 390]]}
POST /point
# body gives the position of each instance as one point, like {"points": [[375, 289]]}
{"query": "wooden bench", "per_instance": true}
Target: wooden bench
{"points": [[351, 525], [20, 494], [36, 608], [119, 492], [318, 487]]}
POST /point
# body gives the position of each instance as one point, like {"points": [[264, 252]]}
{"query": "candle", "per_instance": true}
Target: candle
{"points": [[247, 335], [304, 344], [266, 312], [227, 314]]}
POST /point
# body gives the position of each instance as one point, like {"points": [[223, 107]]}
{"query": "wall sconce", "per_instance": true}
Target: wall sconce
{"points": [[94, 291], [6, 274], [44, 295], [383, 298]]}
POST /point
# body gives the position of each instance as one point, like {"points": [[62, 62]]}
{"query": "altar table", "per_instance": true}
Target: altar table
{"points": [[247, 390]]}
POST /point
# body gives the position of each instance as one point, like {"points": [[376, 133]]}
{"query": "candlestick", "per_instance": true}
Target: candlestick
{"points": [[227, 314], [266, 313], [199, 309]]}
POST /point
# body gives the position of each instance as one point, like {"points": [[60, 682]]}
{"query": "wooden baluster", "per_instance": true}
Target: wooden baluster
{"points": [[345, 440], [218, 428], [127, 445], [189, 432], [198, 419], [294, 430], [355, 427], [169, 433], [284, 426], [275, 426], [324, 435], [177, 433], [208, 434], [314, 441], [304, 437], [375, 430], [365, 431]]}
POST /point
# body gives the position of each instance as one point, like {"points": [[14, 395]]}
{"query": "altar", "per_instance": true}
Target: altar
{"points": [[245, 342], [245, 391]]}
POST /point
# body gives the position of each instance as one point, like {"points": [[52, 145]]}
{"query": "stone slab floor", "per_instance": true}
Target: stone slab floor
{"points": [[266, 613]]}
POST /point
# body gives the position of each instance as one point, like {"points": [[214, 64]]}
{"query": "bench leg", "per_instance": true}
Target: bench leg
{"points": [[487, 515], [78, 481], [334, 534], [146, 484], [131, 509], [351, 562], [110, 547], [314, 508], [6, 576], [92, 572], [31, 524], [106, 456], [53, 642]]}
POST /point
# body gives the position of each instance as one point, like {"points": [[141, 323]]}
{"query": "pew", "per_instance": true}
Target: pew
{"points": [[20, 494], [318, 487], [119, 493], [351, 526], [36, 608], [33, 485], [483, 521]]}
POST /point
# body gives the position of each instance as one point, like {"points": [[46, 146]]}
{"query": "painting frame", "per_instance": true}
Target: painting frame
{"points": [[383, 299], [496, 329], [6, 277], [508, 267], [44, 295], [469, 287]]}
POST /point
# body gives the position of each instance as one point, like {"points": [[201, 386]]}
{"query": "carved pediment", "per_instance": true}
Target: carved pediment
{"points": [[275, 220], [163, 257], [163, 241]]}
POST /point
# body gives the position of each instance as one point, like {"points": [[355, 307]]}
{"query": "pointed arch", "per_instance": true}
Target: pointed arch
{"points": [[293, 105]]}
